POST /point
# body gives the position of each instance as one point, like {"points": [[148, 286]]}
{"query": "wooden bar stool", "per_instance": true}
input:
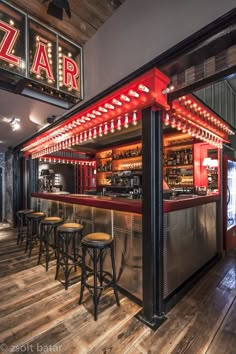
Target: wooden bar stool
{"points": [[48, 227], [21, 220], [68, 244], [95, 244], [33, 221]]}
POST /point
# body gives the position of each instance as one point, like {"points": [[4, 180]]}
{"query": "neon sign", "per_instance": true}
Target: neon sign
{"points": [[39, 54]]}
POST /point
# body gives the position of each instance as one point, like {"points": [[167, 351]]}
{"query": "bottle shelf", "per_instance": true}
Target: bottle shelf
{"points": [[104, 172], [127, 158], [104, 158], [178, 166]]}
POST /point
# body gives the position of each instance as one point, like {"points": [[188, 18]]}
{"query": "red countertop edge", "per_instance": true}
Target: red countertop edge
{"points": [[174, 205], [130, 206]]}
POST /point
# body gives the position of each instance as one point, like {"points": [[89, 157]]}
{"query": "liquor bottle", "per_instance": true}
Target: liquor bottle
{"points": [[185, 157], [182, 157], [190, 156], [174, 158], [178, 158]]}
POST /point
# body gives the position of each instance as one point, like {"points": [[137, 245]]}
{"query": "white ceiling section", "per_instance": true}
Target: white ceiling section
{"points": [[139, 31], [33, 115]]}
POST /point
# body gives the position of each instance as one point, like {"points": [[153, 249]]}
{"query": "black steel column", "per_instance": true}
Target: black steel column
{"points": [[153, 310], [17, 184], [33, 179]]}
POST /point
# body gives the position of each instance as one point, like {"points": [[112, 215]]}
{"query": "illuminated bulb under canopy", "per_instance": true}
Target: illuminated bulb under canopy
{"points": [[134, 119], [90, 115], [102, 109], [125, 98], [97, 113], [133, 93], [126, 125], [94, 132], [85, 136], [112, 126], [100, 130], [90, 134], [179, 125], [143, 88], [119, 123], [105, 128], [109, 106], [116, 102], [173, 122]]}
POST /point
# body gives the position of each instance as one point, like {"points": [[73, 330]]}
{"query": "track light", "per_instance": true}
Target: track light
{"points": [[15, 123]]}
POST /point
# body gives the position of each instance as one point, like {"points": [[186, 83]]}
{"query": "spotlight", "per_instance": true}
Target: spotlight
{"points": [[56, 7], [15, 123]]}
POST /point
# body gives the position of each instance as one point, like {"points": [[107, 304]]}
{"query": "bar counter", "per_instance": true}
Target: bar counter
{"points": [[189, 232]]}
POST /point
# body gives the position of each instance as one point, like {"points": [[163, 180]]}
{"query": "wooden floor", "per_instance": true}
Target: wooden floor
{"points": [[37, 315]]}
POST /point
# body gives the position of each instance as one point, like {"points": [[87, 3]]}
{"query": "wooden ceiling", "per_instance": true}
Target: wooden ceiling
{"points": [[87, 16]]}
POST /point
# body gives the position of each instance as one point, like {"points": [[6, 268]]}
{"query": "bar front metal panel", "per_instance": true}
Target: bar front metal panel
{"points": [[126, 228], [190, 241]]}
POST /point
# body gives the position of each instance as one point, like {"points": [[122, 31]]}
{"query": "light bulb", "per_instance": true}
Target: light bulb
{"points": [[126, 125], [112, 126], [125, 98], [100, 130], [143, 88], [116, 102], [105, 128], [94, 132], [119, 123], [134, 119], [133, 93], [109, 106], [97, 113], [102, 109]]}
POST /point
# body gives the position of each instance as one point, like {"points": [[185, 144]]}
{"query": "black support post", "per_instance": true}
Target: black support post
{"points": [[152, 312]]}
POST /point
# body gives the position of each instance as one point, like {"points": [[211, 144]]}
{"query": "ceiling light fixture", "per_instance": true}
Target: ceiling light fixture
{"points": [[15, 123], [56, 7]]}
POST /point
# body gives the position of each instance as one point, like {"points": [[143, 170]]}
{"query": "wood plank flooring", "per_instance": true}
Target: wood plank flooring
{"points": [[38, 315]]}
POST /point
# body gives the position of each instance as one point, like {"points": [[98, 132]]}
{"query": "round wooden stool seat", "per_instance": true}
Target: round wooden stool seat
{"points": [[97, 239], [36, 215], [25, 211], [52, 220], [70, 227]]}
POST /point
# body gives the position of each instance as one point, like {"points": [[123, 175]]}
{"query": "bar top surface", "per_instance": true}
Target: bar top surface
{"points": [[119, 204], [122, 204]]}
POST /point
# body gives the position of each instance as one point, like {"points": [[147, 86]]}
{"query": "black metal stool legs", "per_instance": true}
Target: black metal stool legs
{"points": [[29, 237], [45, 231], [20, 218], [114, 274], [95, 296], [83, 276], [100, 280], [68, 242]]}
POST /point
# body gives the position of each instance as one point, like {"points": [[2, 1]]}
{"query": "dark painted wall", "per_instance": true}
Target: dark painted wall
{"points": [[67, 175]]}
